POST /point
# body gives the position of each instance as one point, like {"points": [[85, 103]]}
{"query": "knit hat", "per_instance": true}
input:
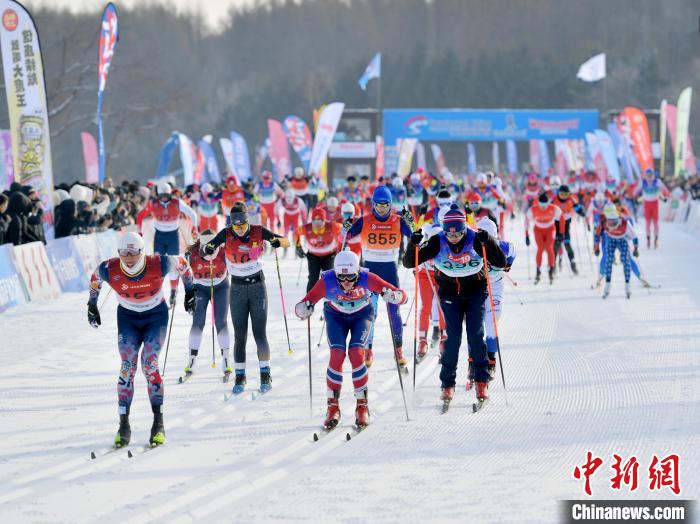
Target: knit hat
{"points": [[454, 220]]}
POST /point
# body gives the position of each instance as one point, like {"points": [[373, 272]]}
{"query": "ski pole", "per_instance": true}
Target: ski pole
{"points": [[398, 368], [323, 324], [514, 284], [211, 299], [495, 323], [308, 335], [109, 292], [578, 242], [528, 257], [301, 263], [415, 321], [408, 315], [167, 344], [284, 310], [588, 248]]}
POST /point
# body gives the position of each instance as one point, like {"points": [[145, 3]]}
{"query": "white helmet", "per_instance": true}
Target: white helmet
{"points": [[397, 183], [481, 178], [347, 207], [555, 181], [206, 188], [346, 263], [298, 171], [130, 240], [163, 188], [332, 202], [289, 195], [610, 212], [488, 225]]}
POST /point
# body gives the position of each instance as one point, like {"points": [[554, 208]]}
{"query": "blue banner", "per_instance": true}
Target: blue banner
{"points": [[12, 292], [471, 159], [68, 264], [166, 155], [241, 159], [512, 156], [211, 167], [493, 125], [605, 144]]}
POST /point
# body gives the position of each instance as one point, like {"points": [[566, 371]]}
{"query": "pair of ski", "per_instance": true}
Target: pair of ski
{"points": [[137, 451], [355, 430], [476, 406], [187, 376], [256, 393]]}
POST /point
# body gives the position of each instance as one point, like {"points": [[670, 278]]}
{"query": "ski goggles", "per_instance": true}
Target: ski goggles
{"points": [[382, 207], [317, 224], [239, 218], [129, 252], [564, 194], [454, 235], [475, 205], [346, 278]]}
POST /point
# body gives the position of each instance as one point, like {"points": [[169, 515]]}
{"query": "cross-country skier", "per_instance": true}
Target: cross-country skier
{"points": [[458, 256], [268, 193], [142, 319], [243, 246], [348, 310], [292, 211], [208, 208], [382, 233], [166, 210], [232, 193], [322, 243], [548, 219], [618, 230], [349, 213], [652, 189], [569, 205], [209, 279]]}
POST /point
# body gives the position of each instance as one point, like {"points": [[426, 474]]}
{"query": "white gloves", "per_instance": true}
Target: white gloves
{"points": [[304, 310], [391, 296]]}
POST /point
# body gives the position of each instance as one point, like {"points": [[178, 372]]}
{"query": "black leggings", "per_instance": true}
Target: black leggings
{"points": [[249, 299], [316, 265]]}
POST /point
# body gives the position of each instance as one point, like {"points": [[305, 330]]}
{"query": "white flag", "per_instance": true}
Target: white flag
{"points": [[592, 69]]}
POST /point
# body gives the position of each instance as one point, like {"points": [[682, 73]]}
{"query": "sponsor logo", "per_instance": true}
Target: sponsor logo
{"points": [[415, 125], [10, 20]]}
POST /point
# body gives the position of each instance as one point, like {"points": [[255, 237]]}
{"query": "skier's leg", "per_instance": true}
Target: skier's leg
{"points": [[623, 246], [453, 310], [336, 332], [610, 244], [238, 304], [655, 218], [648, 214], [490, 329], [540, 246], [153, 337], [474, 307], [258, 318], [567, 242], [314, 264], [548, 242], [201, 297], [129, 337], [425, 294], [221, 292]]}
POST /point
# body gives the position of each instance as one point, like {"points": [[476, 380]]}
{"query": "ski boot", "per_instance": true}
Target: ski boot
{"points": [[606, 290], [123, 436], [482, 390], [574, 269], [656, 242], [470, 374], [551, 275], [492, 366], [265, 380], [648, 242], [361, 410], [157, 429], [227, 373], [422, 348], [173, 295], [628, 291], [333, 411], [446, 397], [188, 374], [538, 275], [239, 385], [401, 359], [369, 357], [435, 336]]}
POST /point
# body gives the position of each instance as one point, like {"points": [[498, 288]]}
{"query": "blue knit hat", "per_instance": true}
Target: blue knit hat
{"points": [[454, 220], [381, 195]]}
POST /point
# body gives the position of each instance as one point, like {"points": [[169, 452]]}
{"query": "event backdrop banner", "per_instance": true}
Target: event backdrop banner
{"points": [[12, 291], [68, 264]]}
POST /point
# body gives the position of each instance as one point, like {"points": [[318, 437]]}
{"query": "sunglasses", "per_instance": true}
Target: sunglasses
{"points": [[382, 205], [129, 252], [239, 227], [475, 204], [317, 223], [454, 234], [346, 278], [564, 193]]}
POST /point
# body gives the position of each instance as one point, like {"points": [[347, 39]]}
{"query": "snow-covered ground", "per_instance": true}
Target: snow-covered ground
{"points": [[614, 376]]}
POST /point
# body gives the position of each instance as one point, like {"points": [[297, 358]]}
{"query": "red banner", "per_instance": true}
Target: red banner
{"points": [[92, 168], [639, 132], [279, 150]]}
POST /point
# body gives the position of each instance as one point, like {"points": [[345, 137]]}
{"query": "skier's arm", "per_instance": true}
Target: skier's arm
{"points": [[215, 242], [145, 212], [406, 229], [274, 239], [316, 293], [100, 275], [378, 285], [355, 228], [429, 251], [180, 265], [189, 212], [562, 220]]}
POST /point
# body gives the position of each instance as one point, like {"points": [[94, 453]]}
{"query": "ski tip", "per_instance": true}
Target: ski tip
{"points": [[348, 437], [315, 437], [129, 454], [92, 455], [179, 380]]}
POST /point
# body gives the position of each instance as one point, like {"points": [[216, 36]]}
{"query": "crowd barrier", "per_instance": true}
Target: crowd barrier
{"points": [[39, 272]]}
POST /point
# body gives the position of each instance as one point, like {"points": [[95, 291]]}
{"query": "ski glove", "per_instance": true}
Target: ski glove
{"points": [[417, 237], [347, 224], [391, 296], [208, 249], [189, 301], [279, 242], [300, 252], [407, 216], [596, 250], [304, 310], [635, 253], [94, 316], [527, 240]]}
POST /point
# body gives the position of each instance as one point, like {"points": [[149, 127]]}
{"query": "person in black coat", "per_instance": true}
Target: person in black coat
{"points": [[4, 218], [18, 209]]}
